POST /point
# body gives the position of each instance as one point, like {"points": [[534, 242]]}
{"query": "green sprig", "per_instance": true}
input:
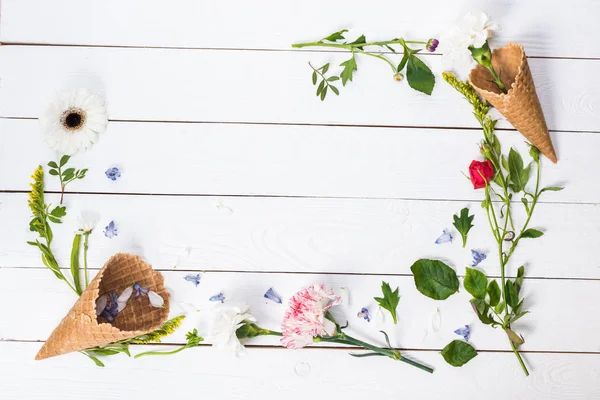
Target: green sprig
{"points": [[390, 300], [67, 176], [463, 223]]}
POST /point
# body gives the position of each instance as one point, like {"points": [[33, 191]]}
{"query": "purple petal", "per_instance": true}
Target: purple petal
{"points": [[271, 295]]}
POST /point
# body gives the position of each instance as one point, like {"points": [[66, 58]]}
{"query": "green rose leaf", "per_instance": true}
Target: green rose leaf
{"points": [[493, 290], [475, 283], [334, 37], [531, 234], [483, 311], [458, 353], [434, 279], [349, 68], [419, 75], [519, 176], [390, 300]]}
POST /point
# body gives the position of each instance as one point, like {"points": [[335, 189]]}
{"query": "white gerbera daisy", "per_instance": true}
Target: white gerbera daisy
{"points": [[73, 121]]}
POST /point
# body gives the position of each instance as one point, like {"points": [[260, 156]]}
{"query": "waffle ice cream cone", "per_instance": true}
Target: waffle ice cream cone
{"points": [[520, 105], [80, 329]]}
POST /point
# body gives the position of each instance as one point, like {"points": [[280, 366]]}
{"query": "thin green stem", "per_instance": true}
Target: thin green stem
{"points": [[497, 79], [351, 46], [518, 354], [378, 56], [85, 265], [162, 353]]}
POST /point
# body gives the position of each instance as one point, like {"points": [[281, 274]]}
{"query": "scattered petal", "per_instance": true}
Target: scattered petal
{"points": [[477, 257], [464, 332], [302, 369], [110, 231], [446, 237], [139, 290], [195, 279], [124, 297], [272, 295], [155, 299], [113, 173], [217, 297], [436, 320], [364, 314], [101, 304]]}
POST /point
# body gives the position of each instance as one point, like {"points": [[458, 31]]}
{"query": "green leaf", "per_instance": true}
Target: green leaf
{"points": [[94, 359], [512, 297], [551, 189], [525, 203], [63, 160], [334, 37], [534, 152], [75, 269], [390, 299], [314, 78], [457, 353], [334, 90], [463, 223], [403, 62], [519, 176], [59, 211], [54, 219], [500, 308], [493, 290], [519, 279], [434, 279], [419, 75], [349, 68], [53, 172], [320, 88], [531, 234], [324, 93], [366, 355], [333, 78], [475, 283], [69, 171], [361, 40], [325, 68], [52, 164], [482, 310], [518, 316]]}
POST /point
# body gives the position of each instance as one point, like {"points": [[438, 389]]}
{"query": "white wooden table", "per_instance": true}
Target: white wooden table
{"points": [[232, 166]]}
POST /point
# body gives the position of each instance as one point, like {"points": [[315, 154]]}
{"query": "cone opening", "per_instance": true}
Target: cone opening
{"points": [[507, 62]]}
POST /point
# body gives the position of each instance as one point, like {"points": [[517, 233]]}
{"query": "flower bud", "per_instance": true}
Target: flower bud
{"points": [[398, 77], [482, 55], [485, 151], [432, 44]]}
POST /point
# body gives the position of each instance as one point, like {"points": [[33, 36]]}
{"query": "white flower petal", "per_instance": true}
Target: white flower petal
{"points": [[101, 304], [155, 299], [124, 297], [121, 306]]}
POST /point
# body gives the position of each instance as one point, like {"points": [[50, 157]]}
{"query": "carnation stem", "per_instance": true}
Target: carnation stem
{"points": [[85, 249], [162, 353], [497, 79]]}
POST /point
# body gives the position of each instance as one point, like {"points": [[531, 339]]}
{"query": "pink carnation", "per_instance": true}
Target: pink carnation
{"points": [[305, 317]]}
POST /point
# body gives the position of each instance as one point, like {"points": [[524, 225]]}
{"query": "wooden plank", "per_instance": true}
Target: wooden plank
{"points": [[544, 298], [300, 235], [209, 374], [544, 27], [231, 159], [210, 85]]}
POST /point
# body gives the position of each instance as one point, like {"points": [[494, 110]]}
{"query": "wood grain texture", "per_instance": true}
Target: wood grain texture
{"points": [[301, 235], [265, 372], [544, 298], [210, 85], [542, 26], [234, 159]]}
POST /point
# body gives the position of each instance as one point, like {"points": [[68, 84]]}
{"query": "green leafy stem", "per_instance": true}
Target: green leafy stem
{"points": [[418, 74], [67, 176], [342, 338]]}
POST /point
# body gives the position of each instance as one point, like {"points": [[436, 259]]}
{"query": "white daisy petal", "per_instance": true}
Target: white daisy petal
{"points": [[73, 121], [101, 304], [124, 297], [155, 299]]}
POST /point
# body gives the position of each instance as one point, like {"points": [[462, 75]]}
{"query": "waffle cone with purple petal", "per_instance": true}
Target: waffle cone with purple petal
{"points": [[82, 329], [521, 105]]}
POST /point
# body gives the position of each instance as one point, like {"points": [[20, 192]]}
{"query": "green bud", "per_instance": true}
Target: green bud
{"points": [[485, 150], [398, 77], [482, 55], [248, 330], [534, 152]]}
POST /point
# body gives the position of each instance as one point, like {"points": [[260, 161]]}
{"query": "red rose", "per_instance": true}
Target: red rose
{"points": [[481, 173]]}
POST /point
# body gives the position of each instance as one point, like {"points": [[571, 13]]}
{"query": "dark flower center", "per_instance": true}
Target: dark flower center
{"points": [[73, 119]]}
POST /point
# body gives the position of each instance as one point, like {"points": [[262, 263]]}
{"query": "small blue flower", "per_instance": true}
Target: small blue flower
{"points": [[446, 237], [110, 231], [193, 278], [271, 295], [218, 297], [364, 314], [112, 308], [477, 257], [113, 173], [464, 332], [139, 290]]}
